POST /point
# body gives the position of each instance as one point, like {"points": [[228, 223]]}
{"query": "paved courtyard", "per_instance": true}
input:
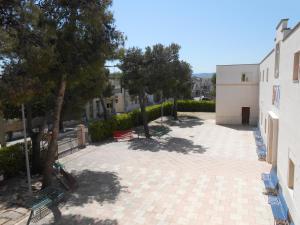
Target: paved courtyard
{"points": [[197, 173]]}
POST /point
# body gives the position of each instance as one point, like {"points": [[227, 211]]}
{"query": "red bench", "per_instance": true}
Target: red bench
{"points": [[123, 135]]}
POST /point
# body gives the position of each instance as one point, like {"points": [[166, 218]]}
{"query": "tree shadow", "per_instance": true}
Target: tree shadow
{"points": [[184, 121], [102, 187], [82, 220], [170, 144], [158, 130]]}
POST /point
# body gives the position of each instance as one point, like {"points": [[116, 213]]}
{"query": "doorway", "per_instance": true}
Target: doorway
{"points": [[245, 115]]}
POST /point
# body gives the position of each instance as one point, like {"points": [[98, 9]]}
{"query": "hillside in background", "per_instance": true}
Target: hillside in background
{"points": [[203, 75]]}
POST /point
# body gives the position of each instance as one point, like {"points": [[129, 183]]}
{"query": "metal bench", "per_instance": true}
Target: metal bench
{"points": [[261, 154], [279, 210], [271, 182], [123, 135], [41, 205]]}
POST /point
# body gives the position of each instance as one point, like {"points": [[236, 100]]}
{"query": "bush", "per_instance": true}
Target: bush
{"points": [[101, 130], [195, 106], [12, 160]]}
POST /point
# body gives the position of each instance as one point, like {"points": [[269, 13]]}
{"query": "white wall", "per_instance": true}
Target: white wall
{"points": [[288, 113], [289, 123], [232, 94]]}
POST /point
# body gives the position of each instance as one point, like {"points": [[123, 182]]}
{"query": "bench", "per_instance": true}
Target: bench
{"points": [[271, 182], [41, 206], [261, 153], [64, 177], [123, 135], [279, 209]]}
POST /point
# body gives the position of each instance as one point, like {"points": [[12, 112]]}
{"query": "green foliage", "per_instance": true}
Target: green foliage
{"points": [[195, 106], [101, 130], [213, 81], [12, 160]]}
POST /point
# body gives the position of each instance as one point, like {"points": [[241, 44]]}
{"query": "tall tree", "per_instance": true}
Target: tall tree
{"points": [[180, 83], [56, 44], [136, 79]]}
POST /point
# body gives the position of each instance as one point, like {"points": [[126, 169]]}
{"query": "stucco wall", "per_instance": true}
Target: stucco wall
{"points": [[232, 94], [288, 113], [289, 123]]}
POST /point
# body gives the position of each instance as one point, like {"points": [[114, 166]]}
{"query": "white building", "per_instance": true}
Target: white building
{"points": [[201, 87], [237, 94], [277, 106], [119, 102]]}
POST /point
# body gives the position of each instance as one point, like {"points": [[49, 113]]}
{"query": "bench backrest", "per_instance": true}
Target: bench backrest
{"points": [[122, 133]]}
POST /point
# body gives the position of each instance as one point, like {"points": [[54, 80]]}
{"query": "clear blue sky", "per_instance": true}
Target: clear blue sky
{"points": [[210, 32]]}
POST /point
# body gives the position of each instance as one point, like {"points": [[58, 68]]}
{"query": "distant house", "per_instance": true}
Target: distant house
{"points": [[119, 102], [201, 87]]}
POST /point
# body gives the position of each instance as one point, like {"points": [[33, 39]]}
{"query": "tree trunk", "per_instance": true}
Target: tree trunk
{"points": [[175, 109], [61, 125], [52, 148], [103, 107], [2, 132], [144, 115]]}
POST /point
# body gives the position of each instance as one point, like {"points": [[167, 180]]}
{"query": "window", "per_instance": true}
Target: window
{"points": [[277, 60], [263, 77], [291, 176], [243, 77], [267, 75], [296, 74]]}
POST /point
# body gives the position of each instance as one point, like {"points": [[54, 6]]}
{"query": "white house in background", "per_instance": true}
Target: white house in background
{"points": [[201, 87], [119, 102], [237, 94], [277, 105]]}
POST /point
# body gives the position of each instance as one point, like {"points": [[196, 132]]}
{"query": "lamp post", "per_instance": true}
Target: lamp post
{"points": [[26, 151]]}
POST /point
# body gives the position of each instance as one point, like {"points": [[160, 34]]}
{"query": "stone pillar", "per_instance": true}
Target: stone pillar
{"points": [[81, 136], [2, 131]]}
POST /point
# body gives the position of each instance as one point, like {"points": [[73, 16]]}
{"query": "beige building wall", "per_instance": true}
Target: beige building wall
{"points": [[237, 87], [287, 112]]}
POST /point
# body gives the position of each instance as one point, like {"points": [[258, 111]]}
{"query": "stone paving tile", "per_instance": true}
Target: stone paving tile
{"points": [[205, 174]]}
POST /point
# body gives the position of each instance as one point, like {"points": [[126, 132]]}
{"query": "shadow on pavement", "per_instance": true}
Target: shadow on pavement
{"points": [[184, 121], [95, 186], [79, 220], [171, 144]]}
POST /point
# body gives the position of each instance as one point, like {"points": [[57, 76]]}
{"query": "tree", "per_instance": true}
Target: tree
{"points": [[180, 83], [136, 79], [57, 45], [26, 54], [161, 59], [213, 81]]}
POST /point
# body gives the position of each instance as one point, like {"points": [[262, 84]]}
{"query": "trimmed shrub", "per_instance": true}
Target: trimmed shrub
{"points": [[101, 130], [12, 160], [195, 106]]}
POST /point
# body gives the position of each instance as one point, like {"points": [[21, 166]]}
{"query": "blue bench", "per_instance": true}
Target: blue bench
{"points": [[261, 153], [279, 209], [41, 205], [271, 182]]}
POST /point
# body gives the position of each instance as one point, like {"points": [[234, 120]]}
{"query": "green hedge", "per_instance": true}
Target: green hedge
{"points": [[101, 130], [195, 106], [12, 160]]}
